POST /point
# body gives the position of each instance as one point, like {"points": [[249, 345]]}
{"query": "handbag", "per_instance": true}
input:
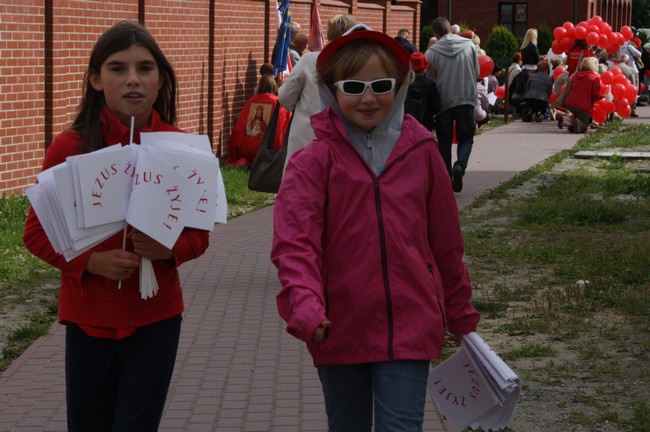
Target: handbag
{"points": [[639, 63], [268, 166]]}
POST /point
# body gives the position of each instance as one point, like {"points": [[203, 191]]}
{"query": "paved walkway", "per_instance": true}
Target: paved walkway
{"points": [[237, 369]]}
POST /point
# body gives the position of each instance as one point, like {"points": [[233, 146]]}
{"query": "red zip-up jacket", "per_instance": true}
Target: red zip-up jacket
{"points": [[94, 302], [380, 256]]}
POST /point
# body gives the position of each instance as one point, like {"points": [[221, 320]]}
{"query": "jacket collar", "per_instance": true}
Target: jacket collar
{"points": [[115, 132]]}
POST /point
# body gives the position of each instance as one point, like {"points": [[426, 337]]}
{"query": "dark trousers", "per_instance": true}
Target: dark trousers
{"points": [[537, 106], [463, 116], [119, 385]]}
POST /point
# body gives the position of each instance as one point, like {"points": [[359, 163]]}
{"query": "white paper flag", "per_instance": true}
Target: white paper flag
{"points": [[161, 199]]}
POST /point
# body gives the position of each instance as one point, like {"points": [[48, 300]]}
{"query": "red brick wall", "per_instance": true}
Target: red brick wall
{"points": [[244, 35]]}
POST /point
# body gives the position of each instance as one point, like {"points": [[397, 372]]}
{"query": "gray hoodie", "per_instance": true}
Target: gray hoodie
{"points": [[376, 146], [454, 67]]}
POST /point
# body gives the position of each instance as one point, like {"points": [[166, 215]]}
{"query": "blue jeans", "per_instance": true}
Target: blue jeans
{"points": [[463, 115], [397, 389]]}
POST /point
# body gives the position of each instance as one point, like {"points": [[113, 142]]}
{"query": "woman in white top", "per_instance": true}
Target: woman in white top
{"points": [[300, 93]]}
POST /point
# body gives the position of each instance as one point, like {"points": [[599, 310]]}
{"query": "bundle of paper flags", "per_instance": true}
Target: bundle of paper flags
{"points": [[475, 388], [169, 182]]}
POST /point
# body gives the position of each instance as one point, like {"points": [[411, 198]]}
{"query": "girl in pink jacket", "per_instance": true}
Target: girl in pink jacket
{"points": [[368, 243]]}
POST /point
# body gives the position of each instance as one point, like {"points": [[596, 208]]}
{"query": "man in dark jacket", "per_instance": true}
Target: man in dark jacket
{"points": [[403, 39]]}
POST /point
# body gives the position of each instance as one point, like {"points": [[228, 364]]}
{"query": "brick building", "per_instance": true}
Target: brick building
{"points": [[215, 46], [519, 15]]}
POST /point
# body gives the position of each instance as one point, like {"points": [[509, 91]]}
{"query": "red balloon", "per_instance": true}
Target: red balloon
{"points": [[552, 98], [616, 70], [618, 91], [607, 77], [596, 20], [607, 106], [566, 44], [593, 29], [558, 71], [598, 116], [605, 28], [630, 92], [603, 40], [568, 25], [559, 33], [592, 38], [604, 89], [612, 49], [500, 92], [580, 32], [621, 79], [556, 47], [627, 32], [620, 38], [624, 111], [621, 103], [486, 66]]}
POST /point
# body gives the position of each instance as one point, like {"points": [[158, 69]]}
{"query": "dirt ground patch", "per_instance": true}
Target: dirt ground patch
{"points": [[587, 381]]}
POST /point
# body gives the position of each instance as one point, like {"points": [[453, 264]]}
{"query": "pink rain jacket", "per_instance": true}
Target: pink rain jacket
{"points": [[378, 256]]}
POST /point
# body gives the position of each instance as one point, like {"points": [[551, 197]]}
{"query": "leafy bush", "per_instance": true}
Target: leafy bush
{"points": [[544, 39], [426, 33], [501, 44]]}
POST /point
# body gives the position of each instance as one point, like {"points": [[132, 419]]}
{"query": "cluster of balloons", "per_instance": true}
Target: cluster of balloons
{"points": [[594, 31], [623, 92]]}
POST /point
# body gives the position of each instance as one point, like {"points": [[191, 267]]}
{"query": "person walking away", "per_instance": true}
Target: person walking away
{"points": [[538, 89], [300, 93], [120, 350], [372, 317], [422, 99], [454, 68], [584, 92]]}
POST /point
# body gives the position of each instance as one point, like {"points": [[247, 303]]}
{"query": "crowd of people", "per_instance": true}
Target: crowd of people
{"points": [[352, 150], [567, 87]]}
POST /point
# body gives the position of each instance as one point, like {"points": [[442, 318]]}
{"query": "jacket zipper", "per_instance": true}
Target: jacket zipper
{"points": [[384, 269], [382, 239]]}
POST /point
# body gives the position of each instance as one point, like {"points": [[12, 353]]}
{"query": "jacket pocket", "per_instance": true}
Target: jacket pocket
{"points": [[437, 288]]}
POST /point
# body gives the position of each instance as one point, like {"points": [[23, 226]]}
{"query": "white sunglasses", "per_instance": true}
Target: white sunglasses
{"points": [[357, 88]]}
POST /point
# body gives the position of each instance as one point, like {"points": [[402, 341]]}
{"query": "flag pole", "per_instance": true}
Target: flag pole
{"points": [[119, 284]]}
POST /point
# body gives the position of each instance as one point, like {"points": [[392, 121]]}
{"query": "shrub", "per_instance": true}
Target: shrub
{"points": [[544, 39], [425, 34], [501, 44]]}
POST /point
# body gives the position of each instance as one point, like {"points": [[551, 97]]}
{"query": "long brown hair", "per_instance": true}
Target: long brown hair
{"points": [[119, 38]]}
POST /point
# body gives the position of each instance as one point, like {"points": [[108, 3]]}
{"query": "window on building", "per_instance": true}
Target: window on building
{"points": [[514, 17]]}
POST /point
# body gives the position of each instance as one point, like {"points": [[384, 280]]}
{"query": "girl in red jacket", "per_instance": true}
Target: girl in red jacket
{"points": [[367, 241], [120, 349]]}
